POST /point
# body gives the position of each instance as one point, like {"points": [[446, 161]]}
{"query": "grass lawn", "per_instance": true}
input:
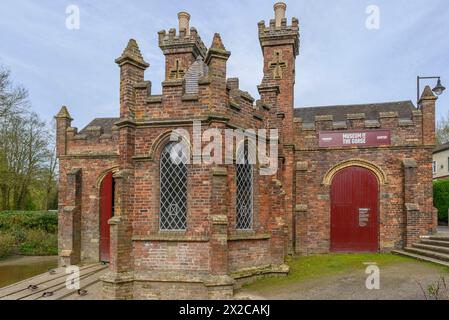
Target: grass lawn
{"points": [[305, 268]]}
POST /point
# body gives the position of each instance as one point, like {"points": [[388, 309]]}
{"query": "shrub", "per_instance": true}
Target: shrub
{"points": [[47, 221], [441, 198], [39, 243], [7, 244]]}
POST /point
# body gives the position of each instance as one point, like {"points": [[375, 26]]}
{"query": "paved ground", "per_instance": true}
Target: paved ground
{"points": [[442, 229], [400, 281]]}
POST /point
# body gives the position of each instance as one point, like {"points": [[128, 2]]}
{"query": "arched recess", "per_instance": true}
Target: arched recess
{"points": [[380, 174]]}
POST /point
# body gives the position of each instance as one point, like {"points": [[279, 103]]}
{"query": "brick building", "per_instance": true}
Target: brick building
{"points": [[350, 178]]}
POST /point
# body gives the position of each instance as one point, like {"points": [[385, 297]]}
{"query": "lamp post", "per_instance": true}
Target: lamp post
{"points": [[438, 90]]}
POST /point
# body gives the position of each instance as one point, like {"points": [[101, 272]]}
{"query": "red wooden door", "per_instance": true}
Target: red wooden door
{"points": [[354, 211], [106, 213]]}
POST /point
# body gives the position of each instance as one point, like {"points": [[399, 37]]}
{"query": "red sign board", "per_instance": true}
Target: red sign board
{"points": [[360, 138]]}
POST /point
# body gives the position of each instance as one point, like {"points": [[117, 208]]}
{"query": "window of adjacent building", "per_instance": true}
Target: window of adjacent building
{"points": [[434, 167], [173, 188], [244, 180]]}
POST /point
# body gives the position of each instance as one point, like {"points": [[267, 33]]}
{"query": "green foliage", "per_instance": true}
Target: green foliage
{"points": [[7, 242], [441, 198], [39, 243], [28, 233], [43, 220]]}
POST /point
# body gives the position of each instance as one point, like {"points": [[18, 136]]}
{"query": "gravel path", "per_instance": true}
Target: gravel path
{"points": [[397, 282]]}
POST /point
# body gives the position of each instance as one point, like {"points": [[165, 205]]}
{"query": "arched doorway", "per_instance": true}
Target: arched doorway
{"points": [[106, 213], [354, 211]]}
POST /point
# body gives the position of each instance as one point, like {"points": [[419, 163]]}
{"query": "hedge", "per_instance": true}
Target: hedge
{"points": [[441, 198]]}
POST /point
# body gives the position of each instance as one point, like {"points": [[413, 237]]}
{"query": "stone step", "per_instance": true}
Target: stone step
{"points": [[435, 243], [439, 238], [439, 249], [427, 253], [420, 257]]}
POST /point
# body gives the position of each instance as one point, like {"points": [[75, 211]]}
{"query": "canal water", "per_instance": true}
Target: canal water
{"points": [[16, 269]]}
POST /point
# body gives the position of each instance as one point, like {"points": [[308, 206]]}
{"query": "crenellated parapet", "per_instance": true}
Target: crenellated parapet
{"points": [[401, 120]]}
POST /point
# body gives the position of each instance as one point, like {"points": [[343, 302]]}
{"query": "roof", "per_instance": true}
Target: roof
{"points": [[105, 123], [371, 110], [441, 148]]}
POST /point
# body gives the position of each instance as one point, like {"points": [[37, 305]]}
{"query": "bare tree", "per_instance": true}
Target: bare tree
{"points": [[443, 130], [27, 156]]}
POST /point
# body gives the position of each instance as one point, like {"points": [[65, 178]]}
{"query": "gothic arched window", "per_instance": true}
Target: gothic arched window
{"points": [[173, 187], [244, 180]]}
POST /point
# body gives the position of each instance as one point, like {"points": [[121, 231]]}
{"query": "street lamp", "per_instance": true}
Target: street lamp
{"points": [[438, 90]]}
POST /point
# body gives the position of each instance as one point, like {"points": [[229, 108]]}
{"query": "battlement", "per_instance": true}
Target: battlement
{"points": [[187, 40], [278, 31], [402, 119]]}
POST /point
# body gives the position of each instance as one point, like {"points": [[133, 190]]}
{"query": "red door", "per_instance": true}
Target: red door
{"points": [[106, 213], [354, 211]]}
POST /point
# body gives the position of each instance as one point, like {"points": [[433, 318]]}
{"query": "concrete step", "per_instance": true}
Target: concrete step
{"points": [[439, 238], [435, 243], [438, 249], [420, 257], [427, 253]]}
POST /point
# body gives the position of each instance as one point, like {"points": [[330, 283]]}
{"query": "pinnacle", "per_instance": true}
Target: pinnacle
{"points": [[63, 113], [427, 93], [217, 43], [132, 53]]}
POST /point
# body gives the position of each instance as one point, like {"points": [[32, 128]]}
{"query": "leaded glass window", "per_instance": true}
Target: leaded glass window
{"points": [[244, 180], [173, 187]]}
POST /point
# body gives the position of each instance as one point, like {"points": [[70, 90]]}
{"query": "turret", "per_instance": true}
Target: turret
{"points": [[181, 50], [280, 46]]}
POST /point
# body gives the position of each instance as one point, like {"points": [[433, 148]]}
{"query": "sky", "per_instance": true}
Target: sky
{"points": [[341, 61]]}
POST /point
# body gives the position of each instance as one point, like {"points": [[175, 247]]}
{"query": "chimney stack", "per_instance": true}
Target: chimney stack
{"points": [[279, 13], [184, 19]]}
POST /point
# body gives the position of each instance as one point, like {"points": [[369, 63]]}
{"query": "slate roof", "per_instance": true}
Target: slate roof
{"points": [[443, 147], [371, 111], [105, 123]]}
